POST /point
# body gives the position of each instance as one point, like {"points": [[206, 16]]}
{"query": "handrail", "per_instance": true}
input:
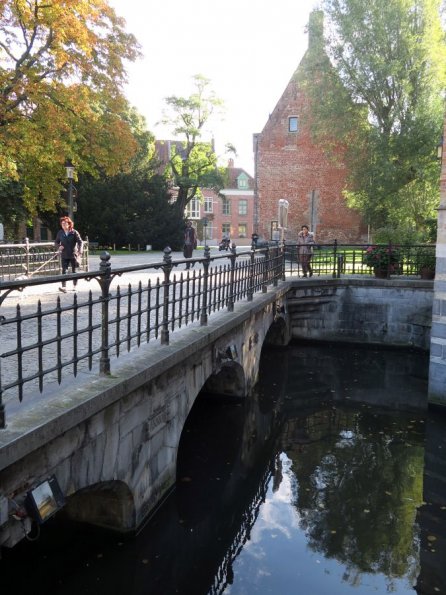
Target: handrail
{"points": [[79, 333]]}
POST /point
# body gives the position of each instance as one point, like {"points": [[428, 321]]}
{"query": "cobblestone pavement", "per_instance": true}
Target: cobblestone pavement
{"points": [[47, 296]]}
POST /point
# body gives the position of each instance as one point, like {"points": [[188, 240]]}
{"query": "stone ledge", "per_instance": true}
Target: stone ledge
{"points": [[72, 403]]}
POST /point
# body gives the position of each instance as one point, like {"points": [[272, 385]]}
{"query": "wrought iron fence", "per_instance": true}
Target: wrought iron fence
{"points": [[28, 259], [353, 259], [45, 341]]}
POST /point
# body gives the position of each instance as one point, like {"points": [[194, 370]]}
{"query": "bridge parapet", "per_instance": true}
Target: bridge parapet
{"points": [[113, 439]]}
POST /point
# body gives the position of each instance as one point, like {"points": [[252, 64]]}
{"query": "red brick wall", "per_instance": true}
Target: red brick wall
{"points": [[291, 166]]}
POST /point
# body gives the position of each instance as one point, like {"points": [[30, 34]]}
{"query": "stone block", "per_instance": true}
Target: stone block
{"points": [[4, 510]]}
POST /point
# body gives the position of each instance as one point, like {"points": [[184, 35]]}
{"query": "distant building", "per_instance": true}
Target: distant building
{"points": [[230, 213], [289, 165]]}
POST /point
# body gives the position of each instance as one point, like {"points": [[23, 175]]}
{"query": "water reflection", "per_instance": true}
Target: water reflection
{"points": [[312, 487]]}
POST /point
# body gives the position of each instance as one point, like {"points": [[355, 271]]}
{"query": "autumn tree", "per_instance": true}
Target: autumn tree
{"points": [[193, 162], [61, 77], [380, 93]]}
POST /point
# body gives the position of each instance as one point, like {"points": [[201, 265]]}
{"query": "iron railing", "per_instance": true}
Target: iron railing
{"points": [[340, 259], [40, 342], [28, 259]]}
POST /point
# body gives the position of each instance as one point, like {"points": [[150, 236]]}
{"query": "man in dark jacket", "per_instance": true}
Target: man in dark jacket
{"points": [[190, 241]]}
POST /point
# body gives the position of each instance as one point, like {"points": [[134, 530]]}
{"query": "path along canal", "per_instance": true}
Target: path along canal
{"points": [[331, 480]]}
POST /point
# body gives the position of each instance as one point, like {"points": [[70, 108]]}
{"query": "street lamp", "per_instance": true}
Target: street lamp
{"points": [[70, 173]]}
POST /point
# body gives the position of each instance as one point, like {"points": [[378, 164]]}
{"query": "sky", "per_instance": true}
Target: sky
{"points": [[248, 50]]}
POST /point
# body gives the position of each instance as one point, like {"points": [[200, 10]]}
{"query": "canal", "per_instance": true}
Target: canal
{"points": [[330, 480]]}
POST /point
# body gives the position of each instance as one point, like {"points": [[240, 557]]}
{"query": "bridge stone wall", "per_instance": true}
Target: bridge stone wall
{"points": [[112, 441], [394, 312]]}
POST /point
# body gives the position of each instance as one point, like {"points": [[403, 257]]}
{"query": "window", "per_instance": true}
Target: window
{"points": [[242, 182], [208, 204], [242, 230], [226, 230], [293, 124], [193, 209], [242, 207], [226, 206]]}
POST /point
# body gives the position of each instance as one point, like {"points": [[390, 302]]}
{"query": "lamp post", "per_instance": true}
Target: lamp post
{"points": [[70, 173]]}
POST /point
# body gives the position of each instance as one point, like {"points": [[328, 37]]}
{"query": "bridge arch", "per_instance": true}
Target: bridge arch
{"points": [[113, 445]]}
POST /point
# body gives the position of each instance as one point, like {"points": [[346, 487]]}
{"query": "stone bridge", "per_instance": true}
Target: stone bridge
{"points": [[112, 441]]}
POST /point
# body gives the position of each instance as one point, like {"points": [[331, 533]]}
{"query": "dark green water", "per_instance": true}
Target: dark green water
{"points": [[331, 480]]}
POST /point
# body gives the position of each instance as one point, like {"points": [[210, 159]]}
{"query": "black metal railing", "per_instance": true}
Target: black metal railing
{"points": [[28, 259], [41, 342], [354, 259]]}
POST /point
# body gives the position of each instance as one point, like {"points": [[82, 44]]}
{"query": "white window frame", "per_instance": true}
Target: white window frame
{"points": [[244, 202], [293, 124], [193, 209], [225, 202], [208, 204]]}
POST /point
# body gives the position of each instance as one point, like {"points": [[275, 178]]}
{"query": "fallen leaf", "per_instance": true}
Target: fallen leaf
{"points": [[431, 538]]}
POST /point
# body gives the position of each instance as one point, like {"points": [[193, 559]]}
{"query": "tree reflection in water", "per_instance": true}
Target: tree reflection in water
{"points": [[308, 487]]}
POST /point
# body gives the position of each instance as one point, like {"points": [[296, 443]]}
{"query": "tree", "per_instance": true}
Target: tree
{"points": [[61, 74], [12, 209], [193, 162], [128, 209], [383, 99]]}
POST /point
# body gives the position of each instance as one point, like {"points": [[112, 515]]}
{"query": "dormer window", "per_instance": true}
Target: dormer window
{"points": [[242, 182], [293, 124]]}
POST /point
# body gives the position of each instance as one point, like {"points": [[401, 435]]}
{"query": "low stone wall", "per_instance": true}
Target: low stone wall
{"points": [[394, 312]]}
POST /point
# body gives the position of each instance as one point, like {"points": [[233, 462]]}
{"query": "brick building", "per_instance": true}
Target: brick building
{"points": [[230, 213], [289, 165]]}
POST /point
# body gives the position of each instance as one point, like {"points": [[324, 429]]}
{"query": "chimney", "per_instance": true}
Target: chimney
{"points": [[231, 163]]}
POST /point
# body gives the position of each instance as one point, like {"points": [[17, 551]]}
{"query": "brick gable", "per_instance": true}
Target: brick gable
{"points": [[292, 166]]}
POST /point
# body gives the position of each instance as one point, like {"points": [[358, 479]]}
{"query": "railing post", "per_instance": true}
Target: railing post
{"points": [[232, 257], [335, 258], [104, 282], [2, 406], [283, 261], [27, 256], [265, 271], [250, 293], [204, 308], [389, 259], [167, 267]]}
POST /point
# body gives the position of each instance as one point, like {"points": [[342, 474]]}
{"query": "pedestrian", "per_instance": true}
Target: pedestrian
{"points": [[70, 245], [305, 243], [190, 242]]}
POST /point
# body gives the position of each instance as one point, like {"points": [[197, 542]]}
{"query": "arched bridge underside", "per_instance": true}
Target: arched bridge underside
{"points": [[112, 441]]}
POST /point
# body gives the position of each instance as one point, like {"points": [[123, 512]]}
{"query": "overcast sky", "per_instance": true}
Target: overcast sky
{"points": [[248, 50]]}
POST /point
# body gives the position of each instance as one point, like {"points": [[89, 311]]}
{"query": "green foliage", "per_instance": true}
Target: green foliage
{"points": [[61, 78], [193, 162], [383, 102], [425, 258], [381, 257], [12, 208], [128, 209], [403, 235]]}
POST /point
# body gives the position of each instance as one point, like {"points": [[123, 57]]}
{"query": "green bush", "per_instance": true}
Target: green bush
{"points": [[398, 235]]}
